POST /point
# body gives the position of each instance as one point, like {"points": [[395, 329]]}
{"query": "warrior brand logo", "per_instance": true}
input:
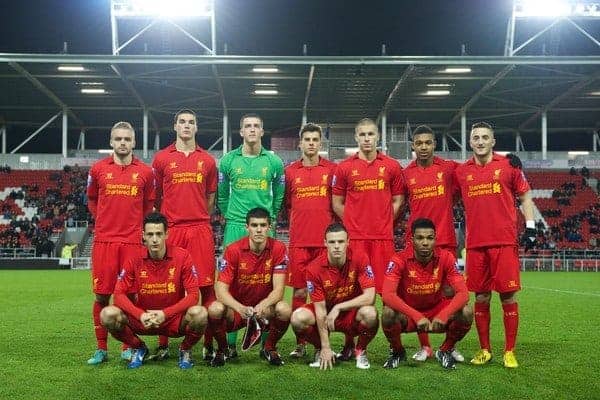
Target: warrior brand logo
{"points": [[412, 273], [143, 274], [497, 174], [243, 265], [310, 286], [413, 181], [469, 178], [440, 176], [298, 180], [355, 172], [390, 268], [381, 171], [108, 175], [327, 283], [238, 170], [172, 165], [134, 176]]}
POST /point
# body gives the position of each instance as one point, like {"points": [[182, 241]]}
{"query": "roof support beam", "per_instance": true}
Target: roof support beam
{"points": [[403, 78], [42, 88], [311, 74], [572, 90], [34, 134], [490, 84]]}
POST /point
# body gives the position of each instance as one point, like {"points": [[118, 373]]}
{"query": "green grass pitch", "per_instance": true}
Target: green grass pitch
{"points": [[46, 336]]}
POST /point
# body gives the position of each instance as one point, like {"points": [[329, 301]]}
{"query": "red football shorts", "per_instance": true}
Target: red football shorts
{"points": [[380, 252], [208, 295], [493, 268], [237, 323], [168, 328], [107, 261], [198, 241], [429, 314], [345, 322], [299, 259]]}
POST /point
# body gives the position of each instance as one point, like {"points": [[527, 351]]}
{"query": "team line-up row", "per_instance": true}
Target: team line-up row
{"points": [[420, 287]]}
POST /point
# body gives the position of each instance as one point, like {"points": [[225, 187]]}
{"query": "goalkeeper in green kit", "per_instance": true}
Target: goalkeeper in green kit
{"points": [[249, 176]]}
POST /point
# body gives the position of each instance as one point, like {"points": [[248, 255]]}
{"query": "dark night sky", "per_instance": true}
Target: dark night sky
{"points": [[281, 27]]}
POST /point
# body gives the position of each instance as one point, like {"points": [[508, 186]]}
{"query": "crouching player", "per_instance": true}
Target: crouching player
{"points": [[251, 282], [157, 294], [414, 299], [341, 286]]}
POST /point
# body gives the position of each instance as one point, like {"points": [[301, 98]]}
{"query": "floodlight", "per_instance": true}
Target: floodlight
{"points": [[93, 91], [437, 93], [556, 8], [162, 8], [71, 68], [105, 151], [265, 68], [578, 153], [440, 85], [457, 70], [595, 93], [265, 91], [350, 150], [90, 83], [265, 84]]}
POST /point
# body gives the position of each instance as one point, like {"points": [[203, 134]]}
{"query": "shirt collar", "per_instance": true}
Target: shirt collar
{"points": [[436, 160]]}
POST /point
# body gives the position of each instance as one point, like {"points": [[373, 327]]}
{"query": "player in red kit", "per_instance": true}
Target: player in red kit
{"points": [[489, 186], [308, 205], [367, 198], [414, 298], [120, 193], [430, 191], [251, 282], [186, 182], [164, 283], [342, 291]]}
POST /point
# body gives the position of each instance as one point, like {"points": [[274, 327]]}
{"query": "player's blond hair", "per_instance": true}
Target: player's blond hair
{"points": [[365, 121], [123, 125]]}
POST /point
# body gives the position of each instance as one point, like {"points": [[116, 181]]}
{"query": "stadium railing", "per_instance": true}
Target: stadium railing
{"points": [[20, 252]]}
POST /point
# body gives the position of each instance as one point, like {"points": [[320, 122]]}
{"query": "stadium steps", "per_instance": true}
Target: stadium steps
{"points": [[87, 247]]}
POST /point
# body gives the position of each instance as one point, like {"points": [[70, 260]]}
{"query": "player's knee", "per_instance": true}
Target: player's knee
{"points": [[368, 315], [388, 316], [103, 299], [216, 310], [301, 318], [508, 298], [283, 311], [109, 317], [197, 315], [484, 297], [467, 314], [448, 291]]}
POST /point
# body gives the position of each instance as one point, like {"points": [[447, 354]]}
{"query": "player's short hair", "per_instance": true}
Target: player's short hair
{"points": [[422, 129], [335, 227], [250, 115], [365, 121], [156, 218], [422, 223], [122, 125], [482, 124], [184, 111], [258, 212], [310, 127]]}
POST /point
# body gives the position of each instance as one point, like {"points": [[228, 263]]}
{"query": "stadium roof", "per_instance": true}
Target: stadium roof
{"points": [[511, 92]]}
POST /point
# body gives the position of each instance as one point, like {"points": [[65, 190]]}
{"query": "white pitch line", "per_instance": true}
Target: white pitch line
{"points": [[563, 291]]}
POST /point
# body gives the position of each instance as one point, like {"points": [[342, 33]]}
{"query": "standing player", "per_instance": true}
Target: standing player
{"points": [[120, 193], [165, 287], [367, 198], [249, 177], [489, 186], [186, 179], [308, 205], [414, 298], [251, 282], [430, 191], [342, 290]]}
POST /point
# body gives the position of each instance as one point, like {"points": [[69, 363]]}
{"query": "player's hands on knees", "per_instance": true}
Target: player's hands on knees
{"points": [[246, 311], [424, 325], [261, 310], [437, 325], [331, 317], [159, 317], [147, 319], [327, 358]]}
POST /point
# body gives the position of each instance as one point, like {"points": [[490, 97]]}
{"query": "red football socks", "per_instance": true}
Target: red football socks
{"points": [[511, 325], [277, 329], [455, 332], [392, 333], [219, 331], [482, 322], [190, 339], [424, 339], [129, 338], [99, 330], [365, 335]]}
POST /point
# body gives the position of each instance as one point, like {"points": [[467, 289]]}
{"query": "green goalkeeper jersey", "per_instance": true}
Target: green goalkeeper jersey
{"points": [[249, 182]]}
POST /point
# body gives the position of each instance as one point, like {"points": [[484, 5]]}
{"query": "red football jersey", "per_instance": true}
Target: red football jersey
{"points": [[368, 189], [158, 284], [308, 202], [250, 275], [430, 194], [183, 184], [119, 197], [419, 285], [334, 285], [488, 193]]}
